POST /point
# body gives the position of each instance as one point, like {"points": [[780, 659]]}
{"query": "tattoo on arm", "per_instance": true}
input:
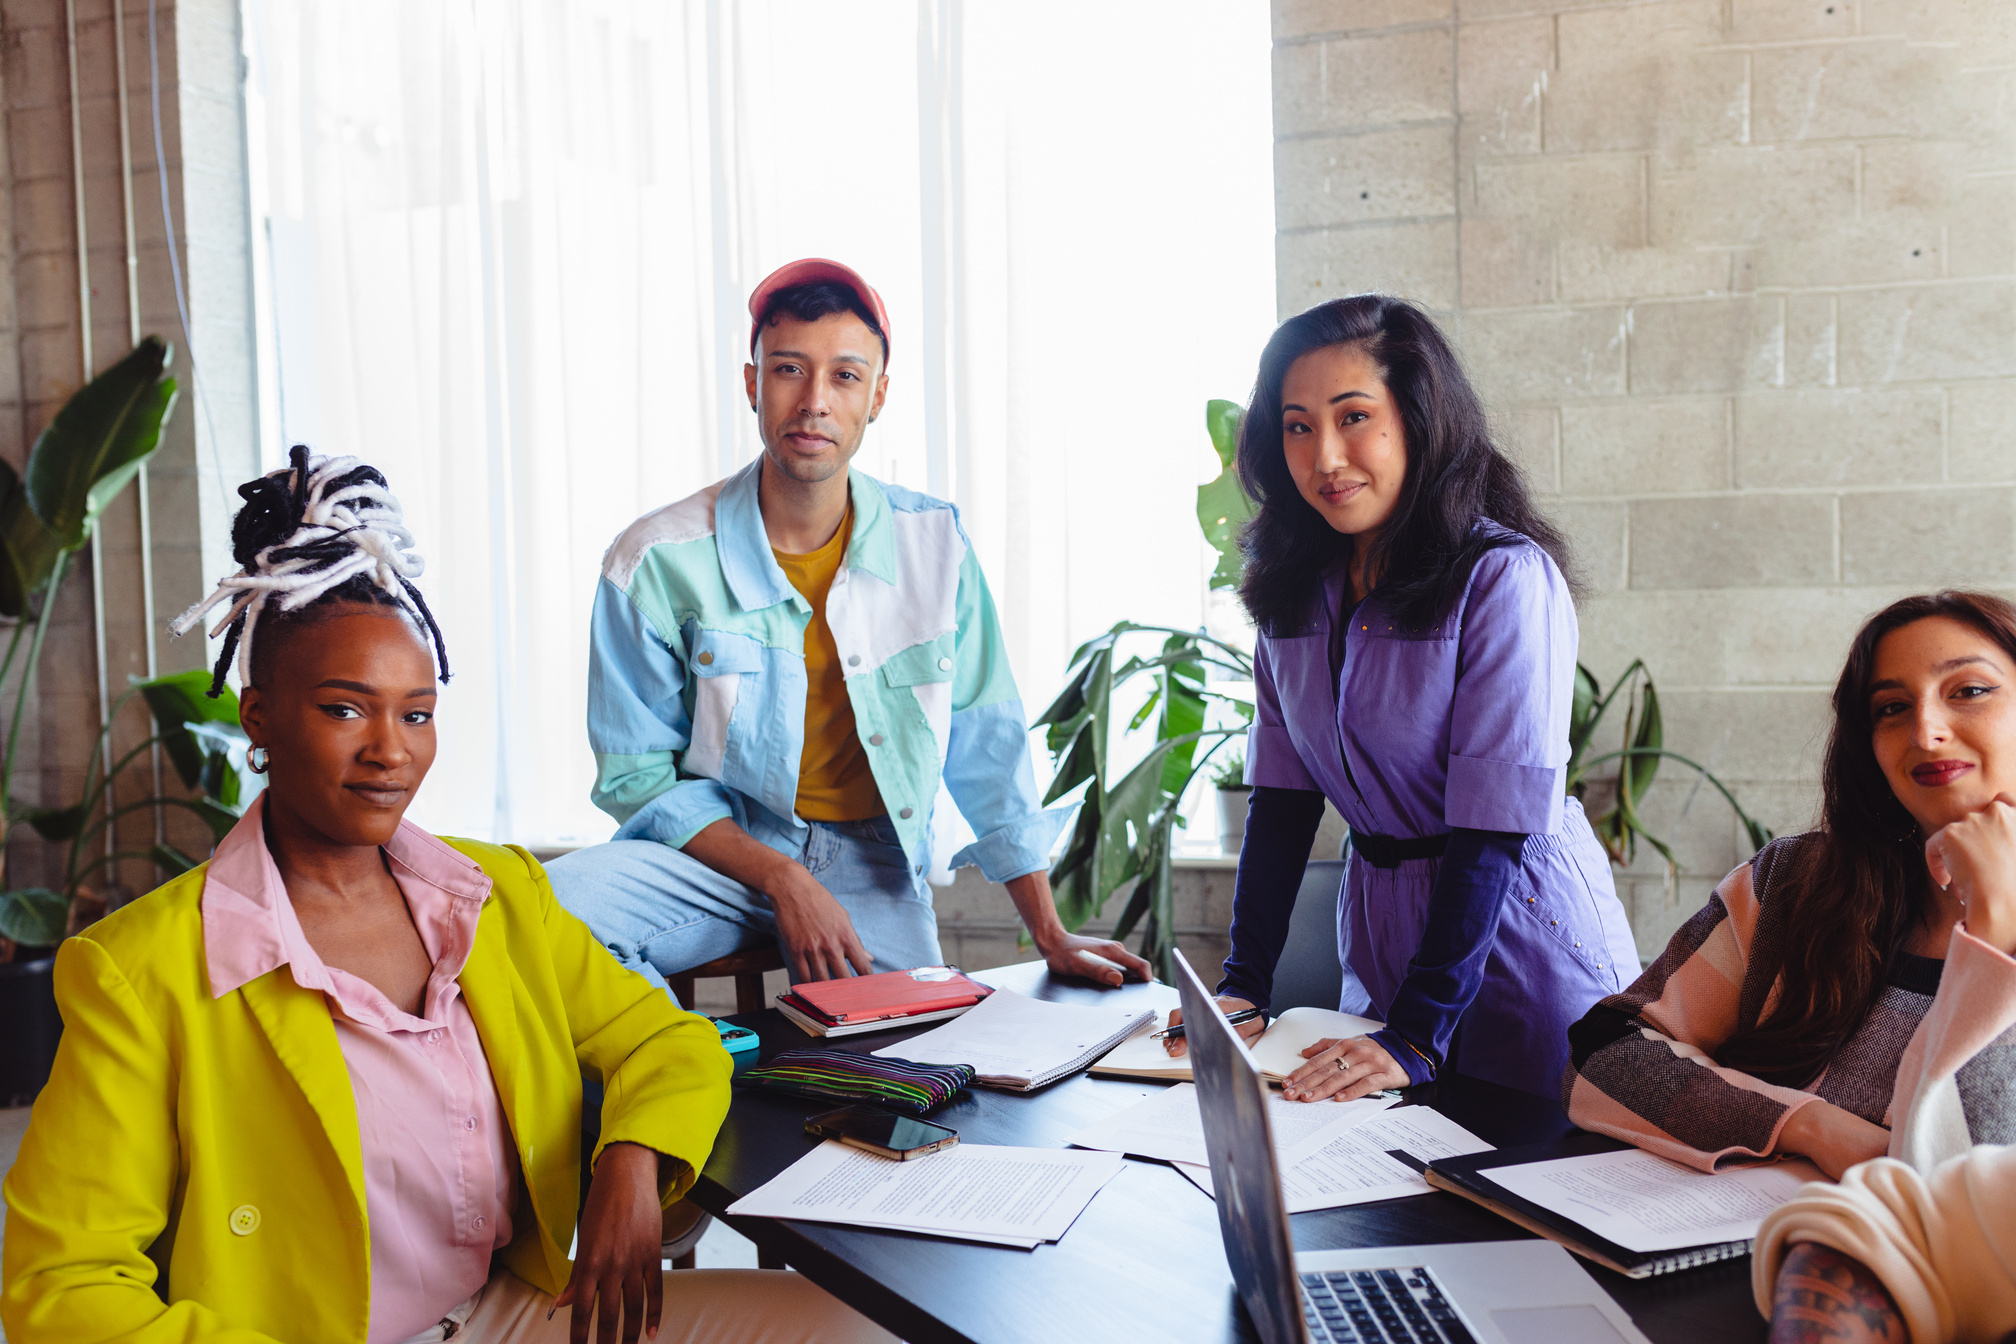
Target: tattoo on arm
{"points": [[1825, 1297]]}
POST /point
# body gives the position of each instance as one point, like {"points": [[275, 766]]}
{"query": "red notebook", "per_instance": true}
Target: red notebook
{"points": [[936, 990]]}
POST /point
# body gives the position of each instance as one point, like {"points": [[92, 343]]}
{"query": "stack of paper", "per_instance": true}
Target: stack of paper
{"points": [[1170, 1127], [1019, 1044], [1276, 1054], [1018, 1197], [1354, 1164]]}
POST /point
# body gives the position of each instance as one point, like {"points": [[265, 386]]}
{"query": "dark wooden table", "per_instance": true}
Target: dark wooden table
{"points": [[1144, 1261]]}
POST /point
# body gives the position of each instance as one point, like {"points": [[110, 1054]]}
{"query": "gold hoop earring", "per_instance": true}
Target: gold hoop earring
{"points": [[259, 766]]}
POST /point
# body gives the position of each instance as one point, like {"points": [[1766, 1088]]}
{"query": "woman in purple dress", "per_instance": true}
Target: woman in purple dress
{"points": [[1416, 666]]}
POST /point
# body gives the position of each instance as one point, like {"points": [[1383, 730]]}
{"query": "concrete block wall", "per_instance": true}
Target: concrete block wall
{"points": [[1738, 281], [45, 316]]}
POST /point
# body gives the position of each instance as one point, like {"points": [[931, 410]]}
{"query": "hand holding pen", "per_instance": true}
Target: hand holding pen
{"points": [[1247, 1019]]}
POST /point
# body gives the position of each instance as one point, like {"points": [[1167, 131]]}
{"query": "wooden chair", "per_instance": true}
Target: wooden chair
{"points": [[746, 966]]}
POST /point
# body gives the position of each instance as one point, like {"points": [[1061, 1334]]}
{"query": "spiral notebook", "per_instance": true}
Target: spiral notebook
{"points": [[1620, 1207]]}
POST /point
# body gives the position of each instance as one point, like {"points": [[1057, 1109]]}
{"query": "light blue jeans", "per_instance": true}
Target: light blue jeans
{"points": [[662, 911]]}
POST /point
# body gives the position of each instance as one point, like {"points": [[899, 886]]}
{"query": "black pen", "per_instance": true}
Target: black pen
{"points": [[1243, 1015]]}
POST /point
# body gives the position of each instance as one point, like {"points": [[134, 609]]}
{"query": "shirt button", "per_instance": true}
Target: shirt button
{"points": [[853, 660], [1578, 944], [1553, 921], [907, 813], [875, 741], [244, 1220], [469, 1122], [434, 1038], [481, 1222], [705, 659], [944, 664]]}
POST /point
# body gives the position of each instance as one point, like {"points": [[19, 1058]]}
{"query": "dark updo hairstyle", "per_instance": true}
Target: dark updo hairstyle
{"points": [[1858, 886], [1455, 476], [820, 298], [318, 534]]}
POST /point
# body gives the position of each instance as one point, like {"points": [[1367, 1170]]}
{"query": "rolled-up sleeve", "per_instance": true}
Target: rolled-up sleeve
{"points": [[1272, 762], [639, 727], [1508, 725]]}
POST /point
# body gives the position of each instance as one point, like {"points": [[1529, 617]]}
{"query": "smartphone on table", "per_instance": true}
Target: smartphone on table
{"points": [[899, 1136]]}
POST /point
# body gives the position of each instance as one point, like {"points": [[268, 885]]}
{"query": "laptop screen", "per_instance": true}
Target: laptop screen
{"points": [[1252, 1218]]}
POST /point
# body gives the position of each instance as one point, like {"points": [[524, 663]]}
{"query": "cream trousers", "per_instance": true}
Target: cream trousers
{"points": [[702, 1306]]}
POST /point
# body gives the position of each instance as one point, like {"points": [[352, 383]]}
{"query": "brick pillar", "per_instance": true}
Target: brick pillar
{"points": [[42, 319]]}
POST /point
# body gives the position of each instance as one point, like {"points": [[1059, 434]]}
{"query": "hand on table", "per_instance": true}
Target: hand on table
{"points": [[618, 1269], [1831, 1138], [1249, 1031], [818, 937], [1100, 960], [1975, 859], [1344, 1071]]}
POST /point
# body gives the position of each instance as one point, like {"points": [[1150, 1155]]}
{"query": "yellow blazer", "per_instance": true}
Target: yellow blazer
{"points": [[193, 1172]]}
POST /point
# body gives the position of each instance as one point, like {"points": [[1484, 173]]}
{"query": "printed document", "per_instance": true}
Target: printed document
{"points": [[1645, 1203], [1169, 1126], [1276, 1054], [1019, 1043], [974, 1192], [1327, 1170]]}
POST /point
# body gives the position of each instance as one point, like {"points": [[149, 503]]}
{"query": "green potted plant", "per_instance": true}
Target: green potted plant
{"points": [[1228, 777], [90, 451]]}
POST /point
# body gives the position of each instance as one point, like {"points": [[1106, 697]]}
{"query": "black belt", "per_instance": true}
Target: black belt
{"points": [[1390, 851]]}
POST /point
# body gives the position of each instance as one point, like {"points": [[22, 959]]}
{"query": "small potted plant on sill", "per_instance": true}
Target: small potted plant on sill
{"points": [[1228, 776]]}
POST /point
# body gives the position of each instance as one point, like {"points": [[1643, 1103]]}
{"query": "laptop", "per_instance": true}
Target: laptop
{"points": [[1482, 1292]]}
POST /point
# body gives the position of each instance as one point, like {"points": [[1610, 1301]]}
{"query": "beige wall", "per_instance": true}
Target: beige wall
{"points": [[1738, 280], [43, 317]]}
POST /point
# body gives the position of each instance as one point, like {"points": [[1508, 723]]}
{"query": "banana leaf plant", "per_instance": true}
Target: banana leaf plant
{"points": [[89, 453], [201, 739], [1637, 764], [1125, 830]]}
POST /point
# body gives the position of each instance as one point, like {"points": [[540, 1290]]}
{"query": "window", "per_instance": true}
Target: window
{"points": [[507, 248]]}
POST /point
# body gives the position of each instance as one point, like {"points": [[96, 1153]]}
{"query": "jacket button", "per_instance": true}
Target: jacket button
{"points": [[853, 660], [244, 1220], [944, 664], [875, 740], [705, 659], [907, 813]]}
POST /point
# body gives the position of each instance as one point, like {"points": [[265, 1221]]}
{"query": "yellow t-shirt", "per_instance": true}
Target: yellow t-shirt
{"points": [[834, 782]]}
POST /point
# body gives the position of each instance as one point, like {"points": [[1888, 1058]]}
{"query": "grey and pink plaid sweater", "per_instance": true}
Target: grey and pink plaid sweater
{"points": [[1642, 1063]]}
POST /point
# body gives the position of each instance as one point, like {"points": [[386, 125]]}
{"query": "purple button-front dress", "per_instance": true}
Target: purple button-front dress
{"points": [[1465, 726]]}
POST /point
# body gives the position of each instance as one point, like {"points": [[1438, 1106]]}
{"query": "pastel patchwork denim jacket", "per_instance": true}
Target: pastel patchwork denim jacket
{"points": [[696, 679]]}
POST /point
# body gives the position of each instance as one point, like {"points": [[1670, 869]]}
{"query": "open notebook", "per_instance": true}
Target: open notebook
{"points": [[1278, 1052], [1622, 1208], [1019, 1044]]}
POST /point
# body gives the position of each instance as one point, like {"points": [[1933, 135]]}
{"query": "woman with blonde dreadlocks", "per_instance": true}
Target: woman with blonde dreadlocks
{"points": [[327, 1087]]}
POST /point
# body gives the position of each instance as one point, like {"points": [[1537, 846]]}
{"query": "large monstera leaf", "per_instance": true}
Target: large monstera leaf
{"points": [[1222, 505]]}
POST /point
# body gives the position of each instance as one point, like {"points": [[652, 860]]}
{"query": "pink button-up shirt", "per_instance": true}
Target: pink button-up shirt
{"points": [[440, 1174]]}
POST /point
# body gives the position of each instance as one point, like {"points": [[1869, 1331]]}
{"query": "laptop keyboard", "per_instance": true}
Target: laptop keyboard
{"points": [[1380, 1306]]}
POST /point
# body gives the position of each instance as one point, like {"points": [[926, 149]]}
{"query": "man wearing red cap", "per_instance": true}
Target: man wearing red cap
{"points": [[794, 674]]}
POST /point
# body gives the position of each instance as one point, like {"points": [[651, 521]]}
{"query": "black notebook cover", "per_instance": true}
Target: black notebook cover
{"points": [[1470, 1176]]}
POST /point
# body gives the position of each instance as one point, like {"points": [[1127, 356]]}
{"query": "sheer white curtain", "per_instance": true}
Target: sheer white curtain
{"points": [[508, 244]]}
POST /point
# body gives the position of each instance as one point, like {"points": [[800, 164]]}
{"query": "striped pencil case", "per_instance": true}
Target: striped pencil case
{"points": [[894, 1084]]}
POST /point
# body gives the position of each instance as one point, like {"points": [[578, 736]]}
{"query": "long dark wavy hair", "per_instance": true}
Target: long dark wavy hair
{"points": [[1858, 887], [1455, 476]]}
